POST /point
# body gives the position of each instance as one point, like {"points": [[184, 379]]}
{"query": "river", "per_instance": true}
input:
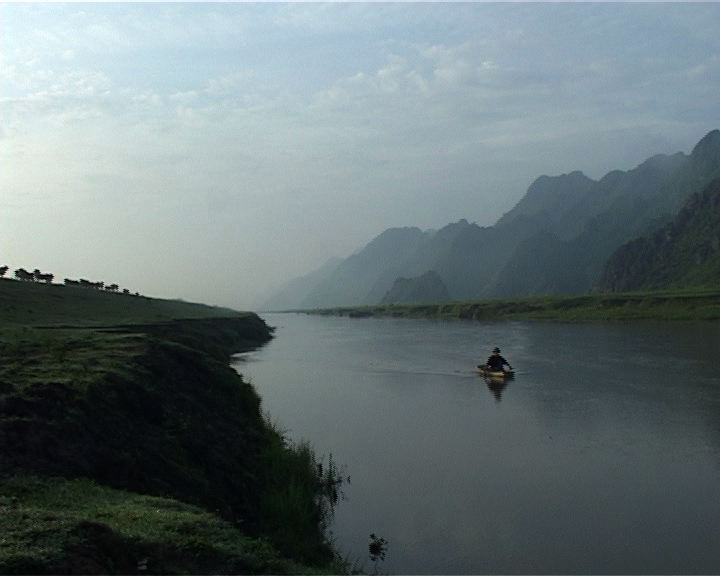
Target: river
{"points": [[601, 456]]}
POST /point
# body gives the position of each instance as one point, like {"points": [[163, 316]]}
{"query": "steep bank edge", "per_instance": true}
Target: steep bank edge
{"points": [[155, 409]]}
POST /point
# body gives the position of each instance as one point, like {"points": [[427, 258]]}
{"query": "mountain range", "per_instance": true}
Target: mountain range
{"points": [[685, 253], [557, 239], [423, 289]]}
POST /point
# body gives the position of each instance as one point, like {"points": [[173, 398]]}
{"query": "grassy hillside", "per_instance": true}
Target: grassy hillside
{"points": [[108, 401], [667, 305], [30, 303]]}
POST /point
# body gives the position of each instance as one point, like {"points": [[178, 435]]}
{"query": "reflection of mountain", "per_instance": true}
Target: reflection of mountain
{"points": [[556, 240]]}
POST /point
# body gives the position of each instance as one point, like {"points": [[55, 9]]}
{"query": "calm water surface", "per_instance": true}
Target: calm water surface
{"points": [[602, 456]]}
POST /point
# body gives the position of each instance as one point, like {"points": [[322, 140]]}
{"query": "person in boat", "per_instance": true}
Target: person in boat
{"points": [[496, 362]]}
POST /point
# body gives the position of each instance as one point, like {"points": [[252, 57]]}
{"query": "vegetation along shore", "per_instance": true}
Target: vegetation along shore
{"points": [[693, 304], [129, 445]]}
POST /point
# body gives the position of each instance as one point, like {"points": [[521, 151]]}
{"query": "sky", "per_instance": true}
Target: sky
{"points": [[213, 151]]}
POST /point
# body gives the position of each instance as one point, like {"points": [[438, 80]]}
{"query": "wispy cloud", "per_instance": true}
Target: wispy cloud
{"points": [[279, 135]]}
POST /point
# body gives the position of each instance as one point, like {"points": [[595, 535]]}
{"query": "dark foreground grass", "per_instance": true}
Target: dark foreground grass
{"points": [[702, 304], [300, 492], [128, 444], [58, 526]]}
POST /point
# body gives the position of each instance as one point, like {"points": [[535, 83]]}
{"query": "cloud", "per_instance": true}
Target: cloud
{"points": [[185, 97], [56, 97], [229, 84], [278, 135]]}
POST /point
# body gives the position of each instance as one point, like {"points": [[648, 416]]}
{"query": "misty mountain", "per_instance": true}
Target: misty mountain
{"points": [[427, 287], [297, 289], [619, 207], [550, 199], [479, 255], [683, 253], [352, 280], [555, 240], [436, 248]]}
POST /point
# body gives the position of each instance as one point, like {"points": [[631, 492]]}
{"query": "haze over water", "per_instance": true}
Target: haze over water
{"points": [[602, 456]]}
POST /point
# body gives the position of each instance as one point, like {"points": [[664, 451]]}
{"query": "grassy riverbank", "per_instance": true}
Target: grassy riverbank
{"points": [[666, 305], [128, 445], [35, 304]]}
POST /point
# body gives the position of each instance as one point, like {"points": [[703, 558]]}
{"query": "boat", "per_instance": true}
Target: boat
{"points": [[495, 374]]}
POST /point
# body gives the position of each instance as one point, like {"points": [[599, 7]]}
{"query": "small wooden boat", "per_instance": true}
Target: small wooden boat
{"points": [[495, 374]]}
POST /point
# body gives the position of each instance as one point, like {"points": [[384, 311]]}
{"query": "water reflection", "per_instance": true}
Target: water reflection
{"points": [[377, 548], [594, 463], [496, 386]]}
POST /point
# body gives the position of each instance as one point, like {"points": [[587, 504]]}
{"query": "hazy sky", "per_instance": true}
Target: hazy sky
{"points": [[211, 151]]}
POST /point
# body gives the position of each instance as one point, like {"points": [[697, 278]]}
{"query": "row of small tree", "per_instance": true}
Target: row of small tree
{"points": [[83, 283], [38, 276], [34, 276]]}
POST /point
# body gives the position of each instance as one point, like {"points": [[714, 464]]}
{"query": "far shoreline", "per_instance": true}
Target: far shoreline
{"points": [[665, 305]]}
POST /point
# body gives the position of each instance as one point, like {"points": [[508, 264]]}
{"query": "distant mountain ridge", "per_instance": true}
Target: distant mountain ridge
{"points": [[298, 289], [427, 287], [567, 253], [356, 277], [682, 254], [555, 240]]}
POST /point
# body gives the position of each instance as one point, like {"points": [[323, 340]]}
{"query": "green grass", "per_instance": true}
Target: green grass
{"points": [[689, 304], [137, 395], [53, 525], [299, 497], [34, 304], [76, 357]]}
